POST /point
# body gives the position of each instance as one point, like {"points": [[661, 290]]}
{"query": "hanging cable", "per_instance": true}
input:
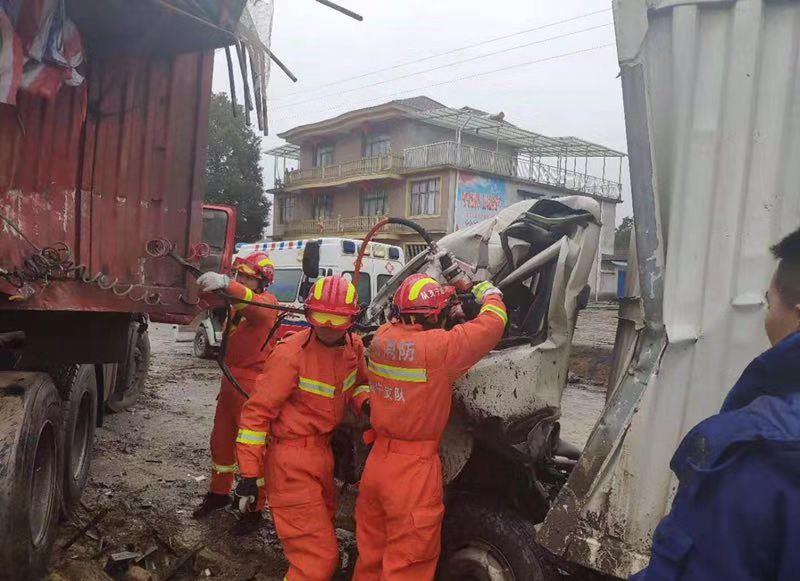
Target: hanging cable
{"points": [[445, 66], [389, 96], [448, 52]]}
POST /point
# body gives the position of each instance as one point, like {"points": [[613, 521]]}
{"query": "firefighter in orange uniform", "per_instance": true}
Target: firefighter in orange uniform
{"points": [[308, 382], [413, 364], [249, 327]]}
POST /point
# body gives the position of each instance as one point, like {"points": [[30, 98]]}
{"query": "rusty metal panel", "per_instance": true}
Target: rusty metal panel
{"points": [[712, 99], [107, 171]]}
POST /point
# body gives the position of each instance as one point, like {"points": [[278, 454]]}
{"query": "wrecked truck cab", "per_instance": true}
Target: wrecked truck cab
{"points": [[540, 253]]}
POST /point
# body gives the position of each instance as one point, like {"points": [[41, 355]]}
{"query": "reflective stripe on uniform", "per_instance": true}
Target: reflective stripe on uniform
{"points": [[251, 438], [361, 389], [224, 469], [248, 296], [261, 482], [265, 262], [496, 310], [399, 373], [349, 381], [317, 387]]}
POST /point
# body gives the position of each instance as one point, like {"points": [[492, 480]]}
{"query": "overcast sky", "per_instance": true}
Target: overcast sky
{"points": [[577, 94]]}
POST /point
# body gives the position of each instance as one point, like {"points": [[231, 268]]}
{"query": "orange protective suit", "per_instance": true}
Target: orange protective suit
{"points": [[250, 326], [298, 401], [411, 373]]}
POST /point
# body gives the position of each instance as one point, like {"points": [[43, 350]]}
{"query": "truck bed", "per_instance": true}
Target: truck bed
{"points": [[104, 168]]}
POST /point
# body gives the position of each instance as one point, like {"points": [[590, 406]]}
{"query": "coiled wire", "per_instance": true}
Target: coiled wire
{"points": [[57, 262]]}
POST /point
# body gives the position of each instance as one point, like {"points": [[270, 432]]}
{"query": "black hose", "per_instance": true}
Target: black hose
{"points": [[272, 331], [445, 261], [417, 228], [223, 350]]}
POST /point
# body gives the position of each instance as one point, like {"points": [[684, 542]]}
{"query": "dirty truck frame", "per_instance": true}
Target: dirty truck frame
{"points": [[86, 180]]}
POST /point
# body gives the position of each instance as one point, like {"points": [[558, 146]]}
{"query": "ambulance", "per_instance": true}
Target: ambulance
{"points": [[336, 256]]}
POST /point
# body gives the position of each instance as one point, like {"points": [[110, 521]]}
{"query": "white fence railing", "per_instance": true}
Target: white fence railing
{"points": [[521, 168]]}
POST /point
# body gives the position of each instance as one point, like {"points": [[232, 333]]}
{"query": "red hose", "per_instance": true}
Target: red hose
{"points": [[363, 249]]}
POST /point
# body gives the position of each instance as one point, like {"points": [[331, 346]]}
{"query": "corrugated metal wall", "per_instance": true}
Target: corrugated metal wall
{"points": [[721, 90], [134, 170]]}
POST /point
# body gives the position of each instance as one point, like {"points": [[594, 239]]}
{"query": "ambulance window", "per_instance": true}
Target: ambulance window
{"points": [[363, 287], [382, 280], [284, 287]]}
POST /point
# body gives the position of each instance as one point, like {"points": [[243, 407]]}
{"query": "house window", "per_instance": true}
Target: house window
{"points": [[323, 207], [425, 197], [413, 249], [376, 145], [323, 155], [287, 210], [374, 203]]}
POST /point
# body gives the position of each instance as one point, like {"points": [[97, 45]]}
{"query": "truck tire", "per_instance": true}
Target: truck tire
{"points": [[132, 374], [80, 420], [202, 345], [487, 543], [30, 473]]}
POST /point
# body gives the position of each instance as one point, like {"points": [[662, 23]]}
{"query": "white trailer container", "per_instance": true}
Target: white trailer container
{"points": [[712, 105]]}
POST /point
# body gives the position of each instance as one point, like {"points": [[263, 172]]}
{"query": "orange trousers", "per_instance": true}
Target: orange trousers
{"points": [[399, 512], [302, 499], [223, 441]]}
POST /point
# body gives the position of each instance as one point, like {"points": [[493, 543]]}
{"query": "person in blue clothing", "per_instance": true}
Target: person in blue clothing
{"points": [[736, 514]]}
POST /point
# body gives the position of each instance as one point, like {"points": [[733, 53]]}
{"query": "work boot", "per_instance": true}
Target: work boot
{"points": [[247, 524], [211, 503]]}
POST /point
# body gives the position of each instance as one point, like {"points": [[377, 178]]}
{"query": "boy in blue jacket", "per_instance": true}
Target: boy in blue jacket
{"points": [[736, 514]]}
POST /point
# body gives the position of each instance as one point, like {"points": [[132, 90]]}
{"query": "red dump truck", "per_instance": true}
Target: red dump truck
{"points": [[89, 175]]}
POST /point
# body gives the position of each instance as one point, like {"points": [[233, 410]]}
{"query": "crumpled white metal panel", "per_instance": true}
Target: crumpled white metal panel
{"points": [[713, 88]]}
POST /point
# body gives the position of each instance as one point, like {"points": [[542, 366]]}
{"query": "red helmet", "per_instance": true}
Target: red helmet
{"points": [[256, 264], [332, 302], [421, 295]]}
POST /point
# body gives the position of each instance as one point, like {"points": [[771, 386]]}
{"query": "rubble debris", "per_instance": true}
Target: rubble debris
{"points": [[83, 571], [118, 562], [82, 531], [136, 573], [206, 559], [181, 562]]}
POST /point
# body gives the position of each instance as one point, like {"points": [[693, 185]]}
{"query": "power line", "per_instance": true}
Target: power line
{"points": [[448, 65], [390, 96], [437, 55]]}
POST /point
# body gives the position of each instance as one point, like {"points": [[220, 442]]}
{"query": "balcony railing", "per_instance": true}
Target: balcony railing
{"points": [[450, 153], [332, 226], [364, 167], [521, 168]]}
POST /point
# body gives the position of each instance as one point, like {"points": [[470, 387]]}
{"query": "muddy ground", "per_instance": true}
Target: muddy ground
{"points": [[151, 467]]}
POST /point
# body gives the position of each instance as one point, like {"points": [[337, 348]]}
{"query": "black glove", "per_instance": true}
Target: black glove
{"points": [[247, 487]]}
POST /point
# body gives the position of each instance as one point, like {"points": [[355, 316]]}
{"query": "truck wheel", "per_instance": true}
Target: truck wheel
{"points": [[202, 346], [30, 472], [485, 543], [80, 419], [132, 374]]}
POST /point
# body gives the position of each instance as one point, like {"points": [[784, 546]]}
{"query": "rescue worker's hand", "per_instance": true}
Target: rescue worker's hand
{"points": [[481, 290], [455, 315], [247, 487], [212, 281]]}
